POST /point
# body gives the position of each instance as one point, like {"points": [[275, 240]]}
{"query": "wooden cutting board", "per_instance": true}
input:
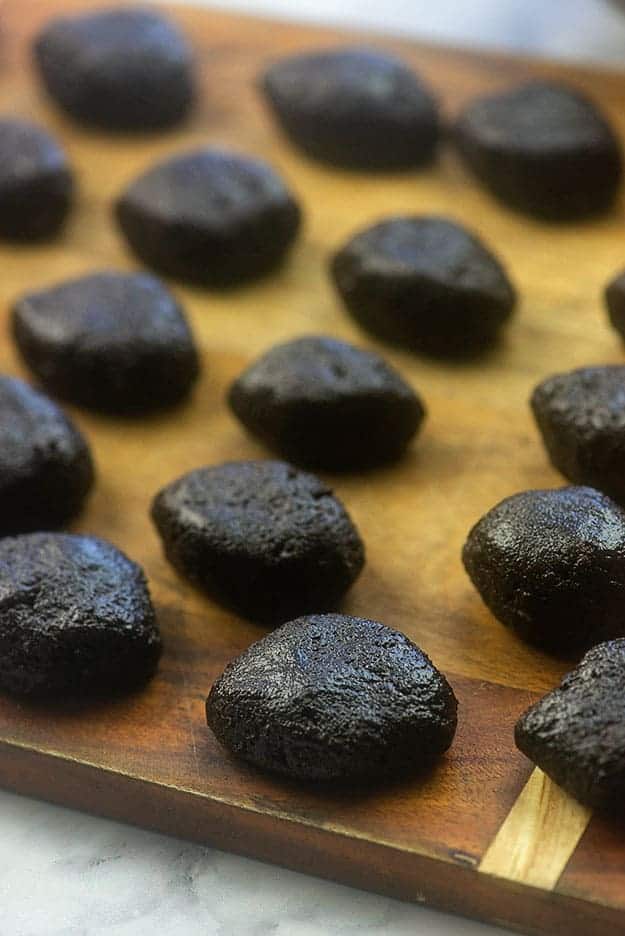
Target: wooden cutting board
{"points": [[484, 834]]}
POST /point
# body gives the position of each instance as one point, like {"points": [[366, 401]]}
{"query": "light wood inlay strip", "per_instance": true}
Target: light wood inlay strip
{"points": [[538, 836]]}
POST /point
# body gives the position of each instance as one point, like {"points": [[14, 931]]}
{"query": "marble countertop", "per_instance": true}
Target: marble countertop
{"points": [[67, 874], [580, 30], [63, 873]]}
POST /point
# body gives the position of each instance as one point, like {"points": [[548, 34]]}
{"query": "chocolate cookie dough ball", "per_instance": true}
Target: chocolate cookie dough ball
{"points": [[75, 618], [543, 149], [261, 537], [576, 733], [581, 417], [425, 283], [124, 69], [615, 301], [209, 217], [36, 182], [46, 469], [117, 342], [334, 698], [355, 108], [322, 402], [551, 565]]}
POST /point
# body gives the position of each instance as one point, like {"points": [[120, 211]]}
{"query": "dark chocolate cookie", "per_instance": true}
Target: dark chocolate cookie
{"points": [[426, 283], [46, 469], [615, 301], [75, 617], [125, 69], [576, 733], [334, 698], [355, 108], [551, 565], [581, 416], [117, 342], [36, 182], [262, 537], [325, 403], [543, 149], [209, 217]]}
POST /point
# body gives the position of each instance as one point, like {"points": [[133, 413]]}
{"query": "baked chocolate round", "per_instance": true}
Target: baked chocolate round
{"points": [[322, 402], [261, 537], [581, 417], [542, 148], [36, 182], [334, 698], [551, 565], [425, 283], [117, 342], [354, 107], [615, 301], [210, 217], [576, 733], [46, 469], [75, 619], [121, 69]]}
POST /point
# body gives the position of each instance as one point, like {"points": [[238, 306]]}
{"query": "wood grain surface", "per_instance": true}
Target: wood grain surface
{"points": [[483, 834]]}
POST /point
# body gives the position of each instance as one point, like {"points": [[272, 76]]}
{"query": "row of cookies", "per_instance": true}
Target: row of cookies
{"points": [[219, 218]]}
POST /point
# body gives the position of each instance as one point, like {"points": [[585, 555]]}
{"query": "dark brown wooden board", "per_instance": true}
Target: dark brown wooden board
{"points": [[483, 835]]}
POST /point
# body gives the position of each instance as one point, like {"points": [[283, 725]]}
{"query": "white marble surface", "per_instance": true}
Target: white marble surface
{"points": [[591, 30], [67, 874]]}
